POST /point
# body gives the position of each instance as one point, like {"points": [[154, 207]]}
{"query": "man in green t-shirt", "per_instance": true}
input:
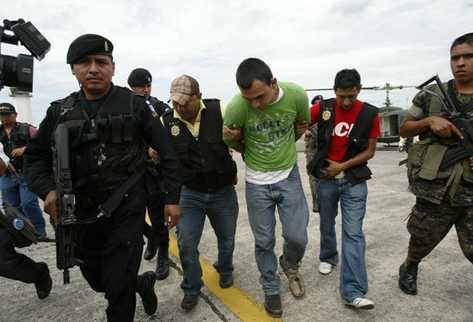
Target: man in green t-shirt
{"points": [[265, 117]]}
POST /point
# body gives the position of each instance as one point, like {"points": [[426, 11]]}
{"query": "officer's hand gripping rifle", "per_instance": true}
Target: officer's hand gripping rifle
{"points": [[65, 256], [461, 122]]}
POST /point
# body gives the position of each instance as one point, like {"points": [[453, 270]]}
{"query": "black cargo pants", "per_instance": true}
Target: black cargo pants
{"points": [[156, 200], [111, 250], [14, 265]]}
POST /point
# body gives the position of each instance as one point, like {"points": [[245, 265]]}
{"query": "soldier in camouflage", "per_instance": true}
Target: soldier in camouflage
{"points": [[310, 139], [444, 196]]}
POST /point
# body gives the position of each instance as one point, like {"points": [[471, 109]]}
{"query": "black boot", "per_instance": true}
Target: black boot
{"points": [[145, 288], [150, 251], [162, 265], [408, 278], [44, 284]]}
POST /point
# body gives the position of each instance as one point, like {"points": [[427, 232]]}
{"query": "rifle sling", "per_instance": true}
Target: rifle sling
{"points": [[111, 204]]}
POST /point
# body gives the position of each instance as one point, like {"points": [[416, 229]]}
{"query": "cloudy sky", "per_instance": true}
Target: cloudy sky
{"points": [[306, 41]]}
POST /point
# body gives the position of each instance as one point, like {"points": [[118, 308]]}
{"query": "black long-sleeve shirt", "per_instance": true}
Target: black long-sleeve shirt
{"points": [[38, 156]]}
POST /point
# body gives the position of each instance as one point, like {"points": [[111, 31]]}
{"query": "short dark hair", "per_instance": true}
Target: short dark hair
{"points": [[347, 78], [252, 69], [464, 39], [316, 98]]}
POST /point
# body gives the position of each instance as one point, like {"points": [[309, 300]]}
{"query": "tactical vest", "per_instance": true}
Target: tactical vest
{"points": [[358, 140], [205, 163], [106, 149], [427, 179], [19, 137]]}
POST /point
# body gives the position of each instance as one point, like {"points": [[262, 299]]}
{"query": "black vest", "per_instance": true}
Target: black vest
{"points": [[358, 140], [205, 163], [19, 137], [106, 148]]}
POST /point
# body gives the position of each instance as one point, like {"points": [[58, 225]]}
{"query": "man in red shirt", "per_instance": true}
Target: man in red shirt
{"points": [[347, 134]]}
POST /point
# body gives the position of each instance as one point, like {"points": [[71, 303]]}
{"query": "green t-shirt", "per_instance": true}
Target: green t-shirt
{"points": [[269, 134]]}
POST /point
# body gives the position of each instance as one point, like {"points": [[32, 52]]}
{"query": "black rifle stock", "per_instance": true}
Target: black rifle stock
{"points": [[461, 122], [65, 257]]}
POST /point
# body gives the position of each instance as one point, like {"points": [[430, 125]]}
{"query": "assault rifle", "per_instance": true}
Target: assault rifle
{"points": [[65, 255], [464, 148]]}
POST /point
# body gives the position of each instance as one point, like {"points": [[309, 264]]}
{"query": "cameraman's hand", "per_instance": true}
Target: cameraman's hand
{"points": [[443, 127], [171, 215], [50, 205]]}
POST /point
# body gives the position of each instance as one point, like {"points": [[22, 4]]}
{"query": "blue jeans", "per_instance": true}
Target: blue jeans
{"points": [[16, 193], [221, 207], [353, 277], [287, 195]]}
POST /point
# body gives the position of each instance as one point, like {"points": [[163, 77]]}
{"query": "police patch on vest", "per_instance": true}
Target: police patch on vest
{"points": [[326, 115], [175, 131]]}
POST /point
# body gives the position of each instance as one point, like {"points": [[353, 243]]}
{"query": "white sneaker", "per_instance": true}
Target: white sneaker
{"points": [[361, 303], [325, 268]]}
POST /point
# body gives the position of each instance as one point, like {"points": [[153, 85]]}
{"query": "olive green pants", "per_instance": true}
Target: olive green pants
{"points": [[310, 151], [429, 223]]}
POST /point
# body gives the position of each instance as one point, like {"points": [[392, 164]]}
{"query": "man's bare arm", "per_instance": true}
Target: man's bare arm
{"points": [[411, 127]]}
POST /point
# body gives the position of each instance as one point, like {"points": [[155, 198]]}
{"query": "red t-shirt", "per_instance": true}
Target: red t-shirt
{"points": [[344, 121]]}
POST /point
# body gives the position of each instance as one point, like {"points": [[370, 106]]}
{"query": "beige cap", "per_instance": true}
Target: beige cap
{"points": [[181, 89]]}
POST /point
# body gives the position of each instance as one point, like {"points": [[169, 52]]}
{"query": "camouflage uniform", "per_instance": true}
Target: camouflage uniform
{"points": [[310, 151], [444, 197]]}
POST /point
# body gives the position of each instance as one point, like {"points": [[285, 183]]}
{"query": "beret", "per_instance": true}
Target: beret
{"points": [[139, 77], [88, 44]]}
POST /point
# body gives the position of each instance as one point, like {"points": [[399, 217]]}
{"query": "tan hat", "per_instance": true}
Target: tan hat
{"points": [[182, 89]]}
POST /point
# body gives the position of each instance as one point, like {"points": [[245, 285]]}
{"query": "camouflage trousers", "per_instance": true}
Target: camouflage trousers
{"points": [[310, 151], [429, 223]]}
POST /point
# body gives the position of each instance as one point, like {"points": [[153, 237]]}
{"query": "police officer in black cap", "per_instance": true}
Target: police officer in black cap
{"points": [[107, 153], [140, 81]]}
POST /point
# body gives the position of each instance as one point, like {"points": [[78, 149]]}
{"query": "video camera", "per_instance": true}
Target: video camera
{"points": [[18, 71]]}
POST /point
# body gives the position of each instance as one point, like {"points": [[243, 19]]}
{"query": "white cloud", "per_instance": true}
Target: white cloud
{"points": [[401, 42]]}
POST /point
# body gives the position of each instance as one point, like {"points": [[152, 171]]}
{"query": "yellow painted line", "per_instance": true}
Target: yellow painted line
{"points": [[235, 299]]}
